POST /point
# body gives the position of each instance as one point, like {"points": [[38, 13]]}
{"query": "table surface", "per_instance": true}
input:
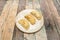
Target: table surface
{"points": [[51, 13]]}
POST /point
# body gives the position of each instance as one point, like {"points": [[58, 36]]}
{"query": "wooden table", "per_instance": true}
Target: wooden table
{"points": [[9, 10]]}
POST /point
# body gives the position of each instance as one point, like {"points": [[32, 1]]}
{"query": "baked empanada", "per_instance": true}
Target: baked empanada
{"points": [[30, 18], [24, 23], [36, 14]]}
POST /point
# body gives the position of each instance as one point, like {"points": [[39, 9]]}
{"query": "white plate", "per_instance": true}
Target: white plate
{"points": [[33, 28]]}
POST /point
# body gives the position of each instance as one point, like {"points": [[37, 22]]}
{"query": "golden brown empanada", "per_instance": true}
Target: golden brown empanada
{"points": [[30, 18], [24, 23], [36, 14]]}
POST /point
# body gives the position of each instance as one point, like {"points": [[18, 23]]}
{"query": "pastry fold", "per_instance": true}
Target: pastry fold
{"points": [[30, 18], [36, 14], [24, 23]]}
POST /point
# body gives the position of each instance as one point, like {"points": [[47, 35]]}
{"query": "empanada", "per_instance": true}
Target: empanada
{"points": [[24, 23], [36, 14], [30, 18]]}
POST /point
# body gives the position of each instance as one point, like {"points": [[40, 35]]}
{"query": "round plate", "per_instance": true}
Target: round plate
{"points": [[32, 28]]}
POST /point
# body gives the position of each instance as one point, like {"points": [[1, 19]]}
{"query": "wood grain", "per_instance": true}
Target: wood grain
{"points": [[2, 4], [57, 5], [52, 33], [4, 14], [18, 35], [41, 34], [8, 26], [55, 14], [51, 18], [29, 36]]}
